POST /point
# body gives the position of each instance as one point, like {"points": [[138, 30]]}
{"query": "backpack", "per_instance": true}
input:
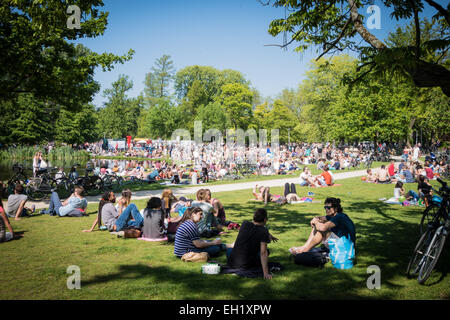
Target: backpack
{"points": [[316, 257], [342, 252]]}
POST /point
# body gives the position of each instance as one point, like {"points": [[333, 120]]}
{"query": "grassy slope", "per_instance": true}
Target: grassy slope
{"points": [[111, 268]]}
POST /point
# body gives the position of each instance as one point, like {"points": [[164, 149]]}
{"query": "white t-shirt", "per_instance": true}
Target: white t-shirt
{"points": [[303, 177]]}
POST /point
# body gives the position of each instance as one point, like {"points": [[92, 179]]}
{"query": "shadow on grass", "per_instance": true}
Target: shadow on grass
{"points": [[391, 243], [387, 242], [307, 284]]}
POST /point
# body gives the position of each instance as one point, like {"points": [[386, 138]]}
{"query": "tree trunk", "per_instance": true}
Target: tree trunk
{"points": [[410, 132]]}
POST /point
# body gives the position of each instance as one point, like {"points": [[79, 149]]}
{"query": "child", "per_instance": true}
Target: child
{"points": [[399, 194], [399, 191]]}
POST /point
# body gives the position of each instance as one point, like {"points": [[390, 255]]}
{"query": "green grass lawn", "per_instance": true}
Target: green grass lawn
{"points": [[34, 267]]}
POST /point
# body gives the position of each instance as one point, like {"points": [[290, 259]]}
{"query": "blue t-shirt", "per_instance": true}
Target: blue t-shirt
{"points": [[186, 233], [344, 226], [408, 176]]}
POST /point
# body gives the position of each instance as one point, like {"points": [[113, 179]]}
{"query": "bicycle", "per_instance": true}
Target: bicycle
{"points": [[111, 181], [18, 178], [40, 186], [89, 182], [430, 245]]}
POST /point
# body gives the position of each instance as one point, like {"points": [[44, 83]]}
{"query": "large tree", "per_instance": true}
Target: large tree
{"points": [[158, 80], [337, 25], [120, 115], [39, 56]]}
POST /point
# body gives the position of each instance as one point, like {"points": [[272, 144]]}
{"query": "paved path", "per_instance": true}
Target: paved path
{"points": [[145, 194]]}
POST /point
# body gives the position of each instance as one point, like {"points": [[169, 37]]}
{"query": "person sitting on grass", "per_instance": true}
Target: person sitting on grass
{"points": [[249, 251], [325, 178], [98, 220], [306, 179], [124, 200], [383, 175], [74, 206], [218, 209], [16, 204], [168, 200], [153, 227], [335, 224], [4, 223], [209, 225], [399, 194], [115, 221], [187, 237], [370, 177]]}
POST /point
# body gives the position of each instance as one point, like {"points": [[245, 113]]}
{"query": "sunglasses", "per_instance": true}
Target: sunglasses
{"points": [[327, 207]]}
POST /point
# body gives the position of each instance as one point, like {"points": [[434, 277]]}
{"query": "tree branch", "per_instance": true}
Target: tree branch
{"points": [[333, 44], [366, 35], [441, 10], [417, 24]]}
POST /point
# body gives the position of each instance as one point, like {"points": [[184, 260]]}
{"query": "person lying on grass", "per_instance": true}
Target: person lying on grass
{"points": [[187, 237], [250, 249], [335, 224], [265, 196], [74, 206]]}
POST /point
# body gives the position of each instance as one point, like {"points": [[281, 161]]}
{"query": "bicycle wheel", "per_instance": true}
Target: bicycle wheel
{"points": [[415, 262], [427, 217], [33, 190], [432, 256], [112, 182]]}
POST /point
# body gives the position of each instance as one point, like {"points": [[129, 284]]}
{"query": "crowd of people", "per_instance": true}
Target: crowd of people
{"points": [[184, 222], [193, 163]]}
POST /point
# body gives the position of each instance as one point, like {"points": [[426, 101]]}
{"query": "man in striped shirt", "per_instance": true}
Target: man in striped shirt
{"points": [[187, 238]]}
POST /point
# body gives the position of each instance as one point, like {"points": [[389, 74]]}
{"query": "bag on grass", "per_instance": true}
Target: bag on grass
{"points": [[316, 257], [195, 257], [342, 252], [132, 233]]}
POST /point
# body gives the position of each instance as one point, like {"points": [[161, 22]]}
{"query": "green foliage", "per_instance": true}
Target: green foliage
{"points": [[161, 120], [158, 80], [38, 58], [335, 26], [77, 127], [33, 123], [120, 115], [236, 100], [213, 116], [282, 118]]}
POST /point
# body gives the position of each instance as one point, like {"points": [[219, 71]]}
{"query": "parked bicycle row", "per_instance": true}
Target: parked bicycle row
{"points": [[47, 180]]}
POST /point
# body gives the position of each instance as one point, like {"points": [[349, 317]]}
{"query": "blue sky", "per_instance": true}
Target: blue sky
{"points": [[227, 34]]}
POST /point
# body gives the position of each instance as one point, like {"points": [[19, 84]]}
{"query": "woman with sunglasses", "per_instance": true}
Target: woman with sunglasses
{"points": [[335, 224]]}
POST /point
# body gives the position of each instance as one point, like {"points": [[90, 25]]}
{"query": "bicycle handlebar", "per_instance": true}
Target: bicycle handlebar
{"points": [[444, 188]]}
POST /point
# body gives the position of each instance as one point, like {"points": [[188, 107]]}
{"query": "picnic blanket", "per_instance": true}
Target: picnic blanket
{"points": [[152, 239]]}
